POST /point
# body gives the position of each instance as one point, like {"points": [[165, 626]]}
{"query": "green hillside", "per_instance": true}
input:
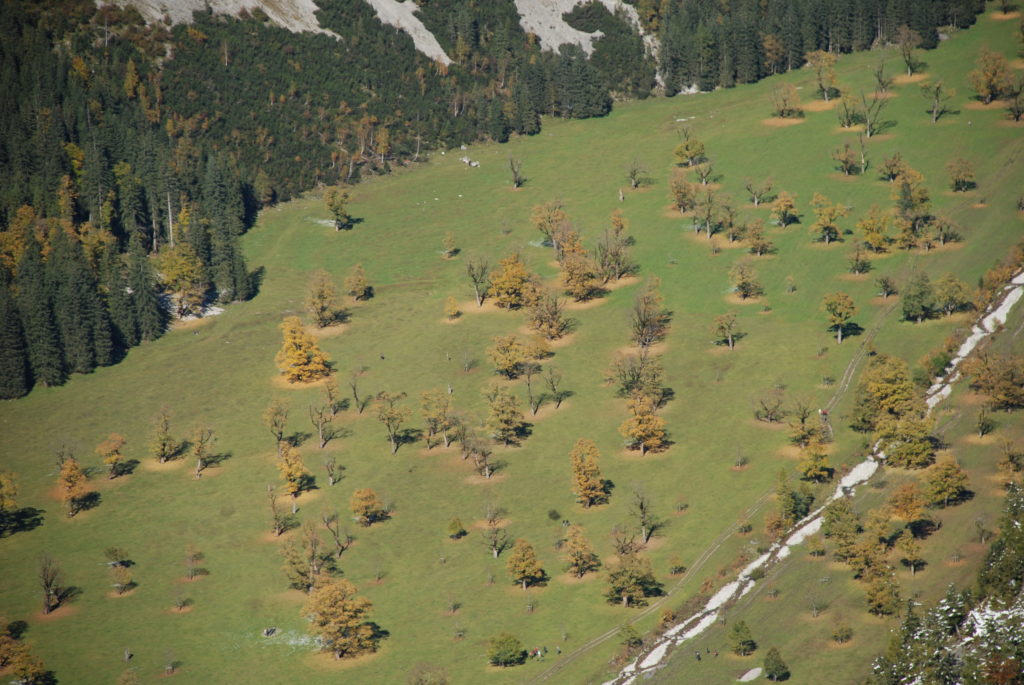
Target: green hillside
{"points": [[720, 468]]}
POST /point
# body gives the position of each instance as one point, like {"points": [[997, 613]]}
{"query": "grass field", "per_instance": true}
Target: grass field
{"points": [[221, 372]]}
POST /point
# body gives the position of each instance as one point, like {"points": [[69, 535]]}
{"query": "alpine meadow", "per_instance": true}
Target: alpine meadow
{"points": [[504, 342]]}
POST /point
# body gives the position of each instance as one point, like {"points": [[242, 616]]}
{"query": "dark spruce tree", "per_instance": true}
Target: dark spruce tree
{"points": [[124, 325], [150, 316], [35, 306], [14, 378]]}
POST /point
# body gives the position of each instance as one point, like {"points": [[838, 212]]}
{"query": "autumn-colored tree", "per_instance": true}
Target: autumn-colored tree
{"points": [[512, 286], [644, 429], [367, 507], [455, 528], [649, 319], [631, 580], [183, 274], [449, 245], [725, 330], [757, 242], [813, 465], [579, 553], [162, 445], [786, 102], [875, 227], [8, 499], [690, 151], [338, 618], [991, 80], [744, 280], [110, 451], [827, 214], [451, 308], [907, 441], [436, 407], [275, 418], [783, 211], [508, 355], [504, 419], [337, 205], [322, 300], [906, 502], [684, 193], [579, 273], [300, 358], [946, 482], [999, 377], [549, 218], [391, 415], [883, 595], [910, 553], [72, 483], [846, 159], [357, 285], [588, 485], [951, 294], [523, 565], [547, 317], [293, 472], [840, 309], [961, 174], [823, 63]]}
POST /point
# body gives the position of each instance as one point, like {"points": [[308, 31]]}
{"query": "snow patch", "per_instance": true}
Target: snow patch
{"points": [[544, 19], [402, 15], [752, 674], [295, 15]]}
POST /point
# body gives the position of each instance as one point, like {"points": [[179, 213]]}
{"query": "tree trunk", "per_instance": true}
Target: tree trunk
{"points": [[643, 448], [524, 584], [295, 503], [730, 341], [839, 334], [494, 552], [625, 600], [479, 300]]}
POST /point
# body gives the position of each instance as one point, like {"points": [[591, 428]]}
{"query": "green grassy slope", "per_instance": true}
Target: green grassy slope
{"points": [[222, 373]]}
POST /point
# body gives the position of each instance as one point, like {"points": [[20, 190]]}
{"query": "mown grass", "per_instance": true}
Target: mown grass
{"points": [[222, 373]]}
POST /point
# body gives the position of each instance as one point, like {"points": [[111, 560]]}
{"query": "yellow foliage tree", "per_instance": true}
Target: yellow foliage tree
{"points": [[644, 428], [110, 451], [338, 617], [523, 564], [293, 472], [72, 484], [367, 506], [512, 286], [587, 485], [300, 358]]}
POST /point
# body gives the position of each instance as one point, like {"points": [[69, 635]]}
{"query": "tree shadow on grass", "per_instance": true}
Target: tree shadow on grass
{"points": [[89, 500], [408, 436], [127, 467], [216, 459], [21, 520]]}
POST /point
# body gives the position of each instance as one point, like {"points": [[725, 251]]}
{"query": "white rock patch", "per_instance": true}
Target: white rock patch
{"points": [[402, 16]]}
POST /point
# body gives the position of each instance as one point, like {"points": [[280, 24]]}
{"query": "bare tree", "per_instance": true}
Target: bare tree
{"points": [[334, 470], [871, 112], [478, 268], [49, 582], [759, 192], [275, 418], [530, 371], [553, 379], [636, 173], [640, 510], [342, 539], [353, 384], [516, 167], [321, 418], [496, 538]]}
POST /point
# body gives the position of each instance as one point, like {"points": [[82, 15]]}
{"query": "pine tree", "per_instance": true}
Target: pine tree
{"points": [[774, 667], [14, 364], [150, 315], [580, 553], [36, 309], [588, 485], [337, 617], [741, 640], [523, 565], [300, 358], [119, 305]]}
